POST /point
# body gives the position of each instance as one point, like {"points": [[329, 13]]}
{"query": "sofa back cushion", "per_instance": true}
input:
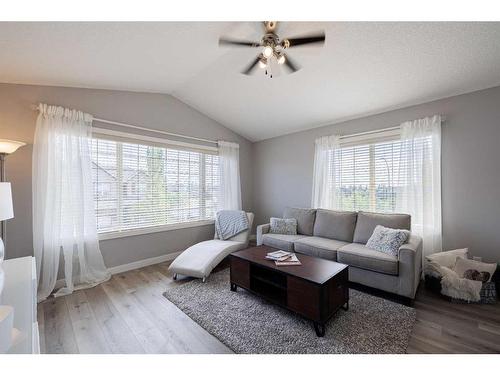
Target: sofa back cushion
{"points": [[305, 219], [336, 225], [367, 221]]}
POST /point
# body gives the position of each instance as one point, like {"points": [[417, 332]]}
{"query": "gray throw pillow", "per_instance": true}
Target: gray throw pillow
{"points": [[305, 219], [387, 240], [283, 226]]}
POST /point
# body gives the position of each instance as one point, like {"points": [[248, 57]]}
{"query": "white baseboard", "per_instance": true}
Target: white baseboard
{"points": [[133, 266], [143, 263]]}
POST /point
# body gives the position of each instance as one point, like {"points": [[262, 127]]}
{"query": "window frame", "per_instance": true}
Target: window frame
{"points": [[118, 136]]}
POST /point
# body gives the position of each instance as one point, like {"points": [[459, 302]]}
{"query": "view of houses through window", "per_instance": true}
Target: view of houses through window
{"points": [[372, 176], [138, 186]]}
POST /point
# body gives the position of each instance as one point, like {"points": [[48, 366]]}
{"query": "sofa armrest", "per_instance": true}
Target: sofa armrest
{"points": [[410, 265], [412, 246], [261, 230]]}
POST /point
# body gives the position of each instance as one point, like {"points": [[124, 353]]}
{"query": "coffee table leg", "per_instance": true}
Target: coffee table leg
{"points": [[320, 329], [233, 287]]}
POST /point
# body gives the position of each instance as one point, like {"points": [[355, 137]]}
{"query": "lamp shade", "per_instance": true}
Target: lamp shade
{"points": [[6, 210], [8, 147]]}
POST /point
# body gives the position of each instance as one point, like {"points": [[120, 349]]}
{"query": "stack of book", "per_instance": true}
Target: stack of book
{"points": [[283, 258]]}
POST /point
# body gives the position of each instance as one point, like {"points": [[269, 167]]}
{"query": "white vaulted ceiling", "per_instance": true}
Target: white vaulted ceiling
{"points": [[363, 68]]}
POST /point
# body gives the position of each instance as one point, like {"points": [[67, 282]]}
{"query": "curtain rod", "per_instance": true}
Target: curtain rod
{"points": [[369, 132], [443, 119], [35, 108]]}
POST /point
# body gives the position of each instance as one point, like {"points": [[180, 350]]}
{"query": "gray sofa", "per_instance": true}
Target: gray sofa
{"points": [[341, 236]]}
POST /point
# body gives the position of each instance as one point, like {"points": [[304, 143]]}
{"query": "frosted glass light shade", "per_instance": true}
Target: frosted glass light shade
{"points": [[6, 210], [8, 147]]}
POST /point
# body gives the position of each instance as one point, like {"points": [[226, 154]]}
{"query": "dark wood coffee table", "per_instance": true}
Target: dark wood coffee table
{"points": [[315, 290]]}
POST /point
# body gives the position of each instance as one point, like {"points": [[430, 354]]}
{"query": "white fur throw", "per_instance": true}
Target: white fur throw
{"points": [[456, 287], [441, 265]]}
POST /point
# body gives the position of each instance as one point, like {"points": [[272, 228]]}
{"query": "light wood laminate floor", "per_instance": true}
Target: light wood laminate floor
{"points": [[128, 314]]}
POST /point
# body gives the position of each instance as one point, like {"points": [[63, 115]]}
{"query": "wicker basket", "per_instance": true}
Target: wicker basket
{"points": [[488, 291]]}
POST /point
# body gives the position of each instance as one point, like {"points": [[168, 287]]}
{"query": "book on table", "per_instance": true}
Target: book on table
{"points": [[283, 258], [278, 255], [292, 260]]}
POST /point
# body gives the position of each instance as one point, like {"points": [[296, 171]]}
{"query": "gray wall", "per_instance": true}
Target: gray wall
{"points": [[155, 111], [470, 167], [275, 172]]}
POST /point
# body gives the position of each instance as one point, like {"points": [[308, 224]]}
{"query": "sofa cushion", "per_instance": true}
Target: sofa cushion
{"points": [[336, 225], [319, 247], [281, 241], [305, 219], [358, 255], [367, 221]]}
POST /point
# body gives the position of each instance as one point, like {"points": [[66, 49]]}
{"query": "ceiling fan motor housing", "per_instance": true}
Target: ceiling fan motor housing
{"points": [[270, 26]]}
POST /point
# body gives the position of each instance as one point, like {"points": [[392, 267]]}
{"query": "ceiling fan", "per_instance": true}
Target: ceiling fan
{"points": [[273, 48]]}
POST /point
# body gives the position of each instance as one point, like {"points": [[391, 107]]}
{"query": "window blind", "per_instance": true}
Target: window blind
{"points": [[372, 176], [139, 185]]}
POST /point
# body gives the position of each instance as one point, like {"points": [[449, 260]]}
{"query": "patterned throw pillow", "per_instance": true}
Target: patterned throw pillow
{"points": [[283, 226], [474, 270], [387, 240]]}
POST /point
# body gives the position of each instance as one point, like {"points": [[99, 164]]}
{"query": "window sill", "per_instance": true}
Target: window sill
{"points": [[163, 228]]}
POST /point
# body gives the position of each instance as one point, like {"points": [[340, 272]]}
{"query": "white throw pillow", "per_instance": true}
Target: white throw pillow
{"points": [[448, 258], [283, 226], [387, 240], [474, 270]]}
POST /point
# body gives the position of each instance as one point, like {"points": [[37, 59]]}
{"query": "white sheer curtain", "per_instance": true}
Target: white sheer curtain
{"points": [[323, 187], [420, 169], [229, 174], [63, 206]]}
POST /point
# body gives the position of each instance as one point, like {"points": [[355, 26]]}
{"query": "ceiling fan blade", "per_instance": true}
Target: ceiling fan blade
{"points": [[292, 42], [290, 64], [249, 69], [235, 42]]}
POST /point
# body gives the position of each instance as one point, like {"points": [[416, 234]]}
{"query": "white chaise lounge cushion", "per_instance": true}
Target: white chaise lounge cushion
{"points": [[200, 259]]}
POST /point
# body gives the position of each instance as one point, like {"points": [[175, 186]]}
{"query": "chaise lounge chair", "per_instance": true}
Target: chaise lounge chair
{"points": [[200, 259]]}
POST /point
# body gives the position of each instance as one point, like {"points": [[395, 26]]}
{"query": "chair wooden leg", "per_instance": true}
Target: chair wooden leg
{"points": [[204, 279]]}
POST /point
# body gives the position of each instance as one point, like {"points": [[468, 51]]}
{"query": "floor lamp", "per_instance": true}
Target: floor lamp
{"points": [[6, 312], [6, 212]]}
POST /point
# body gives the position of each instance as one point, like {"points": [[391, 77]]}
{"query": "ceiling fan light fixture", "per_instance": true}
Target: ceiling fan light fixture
{"points": [[268, 51], [273, 49]]}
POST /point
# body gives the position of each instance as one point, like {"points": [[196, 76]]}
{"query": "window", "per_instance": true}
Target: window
{"points": [[370, 175], [140, 185]]}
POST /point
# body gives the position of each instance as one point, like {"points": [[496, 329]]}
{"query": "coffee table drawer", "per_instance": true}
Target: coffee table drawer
{"points": [[240, 272], [337, 292], [303, 297]]}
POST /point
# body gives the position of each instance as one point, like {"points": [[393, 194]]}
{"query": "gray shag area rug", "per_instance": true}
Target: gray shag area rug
{"points": [[248, 324]]}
